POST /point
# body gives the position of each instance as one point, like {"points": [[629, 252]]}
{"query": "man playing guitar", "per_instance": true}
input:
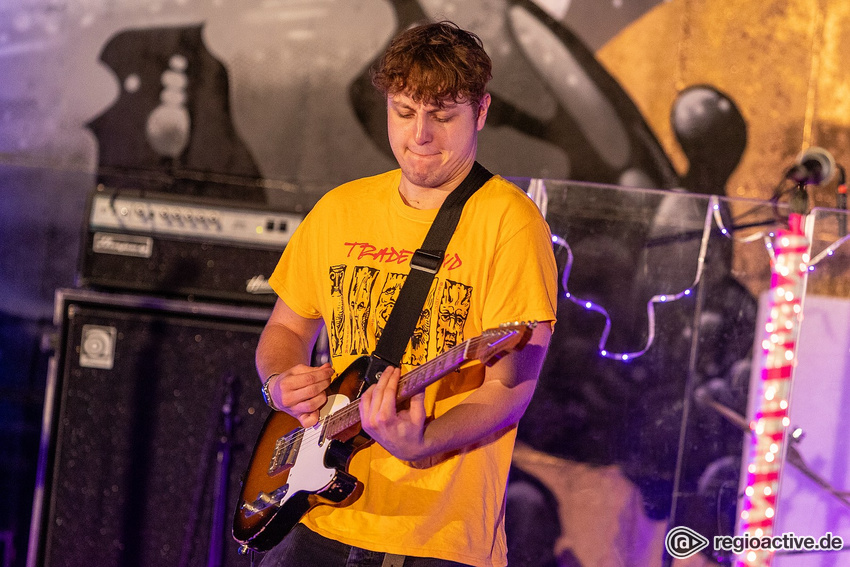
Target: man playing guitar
{"points": [[434, 479]]}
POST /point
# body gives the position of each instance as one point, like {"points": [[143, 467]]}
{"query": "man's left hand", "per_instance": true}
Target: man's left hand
{"points": [[399, 432]]}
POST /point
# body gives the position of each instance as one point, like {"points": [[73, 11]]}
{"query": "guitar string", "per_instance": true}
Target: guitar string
{"points": [[319, 430], [347, 413], [413, 377]]}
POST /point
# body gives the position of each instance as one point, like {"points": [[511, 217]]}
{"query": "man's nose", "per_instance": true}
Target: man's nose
{"points": [[422, 133]]}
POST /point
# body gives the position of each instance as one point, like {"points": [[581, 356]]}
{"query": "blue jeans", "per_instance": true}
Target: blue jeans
{"points": [[304, 548]]}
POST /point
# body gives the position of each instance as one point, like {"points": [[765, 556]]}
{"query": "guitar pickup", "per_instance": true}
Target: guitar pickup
{"points": [[285, 452]]}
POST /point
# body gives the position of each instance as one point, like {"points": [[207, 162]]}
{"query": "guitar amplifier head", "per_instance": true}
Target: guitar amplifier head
{"points": [[184, 247]]}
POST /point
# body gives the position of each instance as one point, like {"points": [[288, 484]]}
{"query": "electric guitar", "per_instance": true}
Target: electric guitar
{"points": [[294, 469]]}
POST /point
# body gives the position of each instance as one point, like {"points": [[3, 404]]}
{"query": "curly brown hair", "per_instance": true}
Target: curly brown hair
{"points": [[435, 63]]}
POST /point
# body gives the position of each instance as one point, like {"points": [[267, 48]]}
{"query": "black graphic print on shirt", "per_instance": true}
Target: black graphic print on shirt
{"points": [[446, 310]]}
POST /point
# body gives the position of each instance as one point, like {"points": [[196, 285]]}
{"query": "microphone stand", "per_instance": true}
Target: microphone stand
{"points": [[793, 457], [215, 558], [220, 425]]}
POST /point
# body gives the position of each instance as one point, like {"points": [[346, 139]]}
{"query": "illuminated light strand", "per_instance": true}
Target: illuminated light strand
{"points": [[538, 193], [776, 373], [650, 305], [776, 436], [761, 525], [776, 344], [776, 242], [766, 477], [768, 498], [776, 414], [788, 274], [718, 220]]}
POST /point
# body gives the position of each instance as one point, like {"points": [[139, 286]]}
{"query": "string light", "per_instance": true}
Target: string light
{"points": [[788, 274], [591, 306], [650, 305], [772, 239]]}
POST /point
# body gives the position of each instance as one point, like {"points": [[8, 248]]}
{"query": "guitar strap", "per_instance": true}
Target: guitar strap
{"points": [[424, 265]]}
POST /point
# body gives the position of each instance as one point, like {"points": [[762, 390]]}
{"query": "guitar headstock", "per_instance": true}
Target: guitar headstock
{"points": [[499, 341], [486, 348]]}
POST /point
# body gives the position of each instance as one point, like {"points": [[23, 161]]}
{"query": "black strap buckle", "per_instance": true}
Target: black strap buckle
{"points": [[427, 260], [373, 371]]}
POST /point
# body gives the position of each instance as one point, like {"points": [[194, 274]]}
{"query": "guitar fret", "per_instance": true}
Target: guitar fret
{"points": [[429, 372], [342, 420], [418, 378]]}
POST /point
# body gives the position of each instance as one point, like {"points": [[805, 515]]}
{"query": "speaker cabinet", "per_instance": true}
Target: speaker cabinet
{"points": [[153, 407]]}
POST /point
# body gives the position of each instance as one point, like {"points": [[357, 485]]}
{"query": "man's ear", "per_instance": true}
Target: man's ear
{"points": [[483, 107]]}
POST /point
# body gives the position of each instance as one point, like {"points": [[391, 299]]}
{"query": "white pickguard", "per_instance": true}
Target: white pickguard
{"points": [[309, 472]]}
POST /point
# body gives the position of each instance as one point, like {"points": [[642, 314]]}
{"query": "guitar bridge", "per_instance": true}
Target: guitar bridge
{"points": [[264, 501]]}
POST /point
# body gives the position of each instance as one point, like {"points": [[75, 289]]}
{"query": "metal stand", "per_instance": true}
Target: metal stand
{"points": [[222, 477], [222, 427]]}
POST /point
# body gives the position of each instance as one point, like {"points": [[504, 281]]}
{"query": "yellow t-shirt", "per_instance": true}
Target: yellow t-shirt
{"points": [[346, 263]]}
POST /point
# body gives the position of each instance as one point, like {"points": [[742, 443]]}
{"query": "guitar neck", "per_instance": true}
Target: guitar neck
{"points": [[410, 384]]}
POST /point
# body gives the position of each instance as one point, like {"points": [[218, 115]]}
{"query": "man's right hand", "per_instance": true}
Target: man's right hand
{"points": [[300, 391]]}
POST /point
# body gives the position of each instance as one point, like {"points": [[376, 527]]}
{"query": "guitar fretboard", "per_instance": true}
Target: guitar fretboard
{"points": [[419, 378], [481, 348]]}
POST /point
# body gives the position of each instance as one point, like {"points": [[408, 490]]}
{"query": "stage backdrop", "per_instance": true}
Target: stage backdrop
{"points": [[710, 96]]}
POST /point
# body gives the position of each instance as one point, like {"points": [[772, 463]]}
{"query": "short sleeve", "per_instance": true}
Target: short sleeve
{"points": [[297, 265], [523, 277]]}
